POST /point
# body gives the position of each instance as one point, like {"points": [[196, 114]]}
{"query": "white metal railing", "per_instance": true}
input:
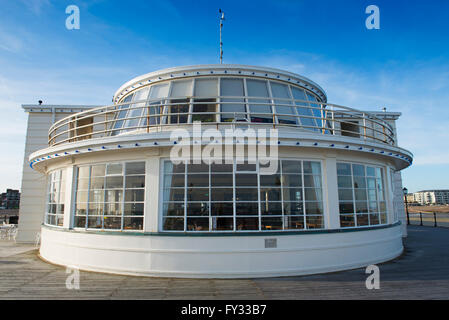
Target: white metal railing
{"points": [[317, 117]]}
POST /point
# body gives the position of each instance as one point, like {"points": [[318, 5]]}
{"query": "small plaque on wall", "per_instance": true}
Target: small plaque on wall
{"points": [[271, 243]]}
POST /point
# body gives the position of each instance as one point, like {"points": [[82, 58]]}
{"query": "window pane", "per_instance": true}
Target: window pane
{"points": [[222, 180], [222, 194], [345, 194], [292, 194], [344, 182], [112, 222], [271, 223], [358, 170], [291, 180], [197, 208], [222, 224], [343, 169], [173, 224], [222, 209], [114, 168], [270, 194], [293, 208], [271, 208], [312, 167], [362, 220], [347, 221], [279, 90], [173, 194], [135, 168], [312, 194], [361, 207], [135, 182], [206, 87], [174, 181], [133, 223], [270, 180], [83, 172], [134, 195], [242, 179], [114, 182], [198, 180], [234, 109], [291, 166], [247, 224], [314, 222], [173, 209], [246, 194], [197, 168], [247, 208], [346, 207], [198, 194], [181, 88], [98, 170], [314, 208], [133, 209], [113, 209], [294, 223], [198, 224], [159, 91]]}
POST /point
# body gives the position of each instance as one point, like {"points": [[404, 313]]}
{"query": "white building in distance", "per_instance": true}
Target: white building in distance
{"points": [[431, 197]]}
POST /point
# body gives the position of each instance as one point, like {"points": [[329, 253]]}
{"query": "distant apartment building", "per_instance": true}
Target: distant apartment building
{"points": [[432, 197], [10, 199]]}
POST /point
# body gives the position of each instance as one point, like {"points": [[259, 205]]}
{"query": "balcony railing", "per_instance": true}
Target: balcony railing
{"points": [[161, 114]]}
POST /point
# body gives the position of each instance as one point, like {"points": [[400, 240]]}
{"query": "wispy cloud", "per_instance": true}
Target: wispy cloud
{"points": [[35, 6]]}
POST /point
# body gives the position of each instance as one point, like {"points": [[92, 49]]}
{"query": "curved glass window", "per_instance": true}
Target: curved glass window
{"points": [[220, 99], [54, 214], [284, 106], [118, 123], [236, 197], [361, 195], [205, 107], [110, 196], [135, 110], [258, 88], [156, 104], [232, 108]]}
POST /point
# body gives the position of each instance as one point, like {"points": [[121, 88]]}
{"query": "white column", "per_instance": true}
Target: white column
{"points": [[152, 194], [68, 204], [330, 197]]}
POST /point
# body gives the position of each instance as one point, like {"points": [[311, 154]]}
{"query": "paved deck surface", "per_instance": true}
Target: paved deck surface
{"points": [[422, 272]]}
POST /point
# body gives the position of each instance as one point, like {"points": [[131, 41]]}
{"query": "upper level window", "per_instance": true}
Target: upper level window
{"points": [[204, 104], [361, 195], [260, 109], [232, 108], [242, 99], [283, 105], [54, 215], [156, 103]]}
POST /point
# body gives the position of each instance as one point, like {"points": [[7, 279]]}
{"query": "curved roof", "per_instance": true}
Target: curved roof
{"points": [[218, 69]]}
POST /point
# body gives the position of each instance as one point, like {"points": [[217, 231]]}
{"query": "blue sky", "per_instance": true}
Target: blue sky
{"points": [[403, 66]]}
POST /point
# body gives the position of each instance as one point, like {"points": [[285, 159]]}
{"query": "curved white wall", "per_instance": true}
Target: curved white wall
{"points": [[238, 256]]}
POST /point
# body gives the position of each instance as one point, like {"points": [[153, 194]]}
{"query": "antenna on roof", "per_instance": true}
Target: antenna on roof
{"points": [[221, 27]]}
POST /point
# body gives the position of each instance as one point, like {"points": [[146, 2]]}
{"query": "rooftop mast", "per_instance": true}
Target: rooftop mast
{"points": [[221, 27]]}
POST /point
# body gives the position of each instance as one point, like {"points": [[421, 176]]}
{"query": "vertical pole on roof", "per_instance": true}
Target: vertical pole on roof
{"points": [[221, 27]]}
